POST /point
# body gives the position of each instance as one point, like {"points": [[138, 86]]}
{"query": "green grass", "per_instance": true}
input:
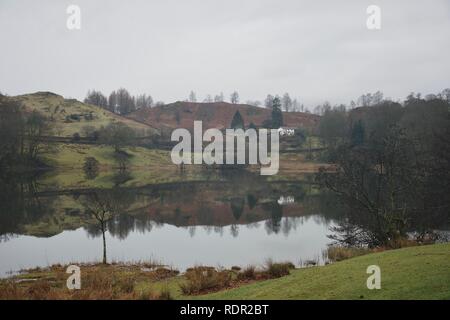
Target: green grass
{"points": [[73, 155], [145, 167], [411, 273], [57, 110]]}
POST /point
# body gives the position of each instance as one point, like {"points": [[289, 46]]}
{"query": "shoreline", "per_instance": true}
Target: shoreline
{"points": [[153, 281]]}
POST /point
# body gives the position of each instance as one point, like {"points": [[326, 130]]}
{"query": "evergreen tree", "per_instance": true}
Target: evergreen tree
{"points": [[357, 135], [237, 122], [277, 114]]}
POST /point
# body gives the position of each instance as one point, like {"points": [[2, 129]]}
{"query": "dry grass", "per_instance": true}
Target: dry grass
{"points": [[200, 280], [98, 282], [278, 270], [139, 281], [204, 279], [339, 253], [249, 273]]}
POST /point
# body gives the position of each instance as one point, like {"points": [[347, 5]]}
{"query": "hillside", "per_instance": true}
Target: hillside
{"points": [[70, 116], [215, 115], [409, 273]]}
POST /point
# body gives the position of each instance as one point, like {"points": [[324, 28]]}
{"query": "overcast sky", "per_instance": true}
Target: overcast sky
{"points": [[315, 50]]}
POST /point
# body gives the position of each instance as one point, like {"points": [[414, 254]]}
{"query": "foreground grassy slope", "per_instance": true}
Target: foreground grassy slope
{"points": [[411, 273]]}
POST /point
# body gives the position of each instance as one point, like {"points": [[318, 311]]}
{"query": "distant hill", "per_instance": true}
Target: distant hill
{"points": [[69, 116], [215, 115]]}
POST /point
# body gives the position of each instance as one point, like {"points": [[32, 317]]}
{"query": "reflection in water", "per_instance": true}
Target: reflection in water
{"points": [[236, 219], [174, 246]]}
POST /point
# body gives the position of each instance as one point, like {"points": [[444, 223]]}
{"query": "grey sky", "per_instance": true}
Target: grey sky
{"points": [[315, 50]]}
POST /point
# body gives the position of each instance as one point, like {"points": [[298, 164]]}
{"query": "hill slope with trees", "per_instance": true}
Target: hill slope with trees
{"points": [[69, 117], [216, 115]]}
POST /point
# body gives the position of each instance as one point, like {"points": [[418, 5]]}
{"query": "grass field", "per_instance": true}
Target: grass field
{"points": [[70, 156], [411, 273]]}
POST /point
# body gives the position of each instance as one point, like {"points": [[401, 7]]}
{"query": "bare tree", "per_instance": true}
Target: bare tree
{"points": [[96, 98], [36, 127], [445, 94], [234, 97], [286, 102], [370, 99], [117, 135], [268, 102], [144, 101], [112, 102], [121, 101], [219, 97], [192, 97], [102, 206]]}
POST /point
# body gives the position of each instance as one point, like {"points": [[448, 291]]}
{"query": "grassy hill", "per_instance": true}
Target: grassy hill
{"points": [[216, 115], [69, 116], [411, 273]]}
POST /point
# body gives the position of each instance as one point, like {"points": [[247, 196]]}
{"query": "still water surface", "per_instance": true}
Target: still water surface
{"points": [[176, 246], [237, 220]]}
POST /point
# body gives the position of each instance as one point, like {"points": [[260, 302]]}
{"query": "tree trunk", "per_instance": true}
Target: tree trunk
{"points": [[104, 245]]}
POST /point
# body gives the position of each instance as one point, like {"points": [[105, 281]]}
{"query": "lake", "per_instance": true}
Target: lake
{"points": [[213, 218], [231, 219]]}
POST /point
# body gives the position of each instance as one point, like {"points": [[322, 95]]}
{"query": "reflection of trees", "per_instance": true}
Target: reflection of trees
{"points": [[286, 226], [234, 230], [205, 216], [121, 177], [218, 230], [237, 207], [251, 201], [267, 210], [142, 209], [192, 230], [20, 204], [121, 226], [273, 225], [388, 186], [90, 168]]}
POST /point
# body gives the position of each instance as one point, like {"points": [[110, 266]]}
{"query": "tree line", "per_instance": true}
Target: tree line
{"points": [[25, 136], [122, 102], [22, 134], [287, 104], [392, 167]]}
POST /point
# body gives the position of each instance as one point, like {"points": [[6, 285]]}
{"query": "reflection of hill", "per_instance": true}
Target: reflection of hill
{"points": [[213, 207], [238, 200]]}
